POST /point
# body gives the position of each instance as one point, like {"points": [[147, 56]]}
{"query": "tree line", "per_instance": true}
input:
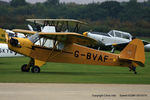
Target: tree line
{"points": [[132, 16]]}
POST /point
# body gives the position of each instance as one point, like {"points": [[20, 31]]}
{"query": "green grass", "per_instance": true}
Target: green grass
{"points": [[72, 73]]}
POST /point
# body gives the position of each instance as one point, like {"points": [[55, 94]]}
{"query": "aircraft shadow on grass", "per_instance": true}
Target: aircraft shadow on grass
{"points": [[86, 73]]}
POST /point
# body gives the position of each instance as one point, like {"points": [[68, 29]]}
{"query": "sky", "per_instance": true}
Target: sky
{"points": [[76, 1]]}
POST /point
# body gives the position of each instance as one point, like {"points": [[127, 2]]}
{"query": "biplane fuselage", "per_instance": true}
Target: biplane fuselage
{"points": [[71, 53]]}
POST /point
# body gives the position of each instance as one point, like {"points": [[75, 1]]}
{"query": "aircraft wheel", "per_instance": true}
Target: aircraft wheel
{"points": [[24, 68], [35, 69]]}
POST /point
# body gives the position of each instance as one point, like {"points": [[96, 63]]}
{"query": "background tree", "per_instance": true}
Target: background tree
{"points": [[52, 2], [113, 8], [132, 16], [16, 3]]}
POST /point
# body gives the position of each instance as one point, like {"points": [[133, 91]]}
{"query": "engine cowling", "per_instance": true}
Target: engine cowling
{"points": [[14, 42]]}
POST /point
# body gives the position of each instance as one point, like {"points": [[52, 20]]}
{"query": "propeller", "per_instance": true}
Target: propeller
{"points": [[30, 27]]}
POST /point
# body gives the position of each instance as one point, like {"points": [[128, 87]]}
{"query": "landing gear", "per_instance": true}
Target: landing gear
{"points": [[34, 65], [25, 68], [35, 69], [133, 69], [113, 49]]}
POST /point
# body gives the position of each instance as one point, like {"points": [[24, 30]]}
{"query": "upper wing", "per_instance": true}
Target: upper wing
{"points": [[66, 37], [52, 21], [24, 31], [69, 37]]}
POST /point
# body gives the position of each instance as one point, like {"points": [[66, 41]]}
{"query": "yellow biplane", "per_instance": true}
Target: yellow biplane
{"points": [[71, 47]]}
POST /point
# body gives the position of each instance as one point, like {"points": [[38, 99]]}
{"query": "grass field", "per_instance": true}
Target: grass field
{"points": [[72, 73]]}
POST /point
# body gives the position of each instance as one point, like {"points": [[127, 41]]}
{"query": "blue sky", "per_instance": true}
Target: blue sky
{"points": [[76, 1]]}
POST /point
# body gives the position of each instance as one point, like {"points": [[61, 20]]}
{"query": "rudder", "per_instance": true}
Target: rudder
{"points": [[134, 51]]}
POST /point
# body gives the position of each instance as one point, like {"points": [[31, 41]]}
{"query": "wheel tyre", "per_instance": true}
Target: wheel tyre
{"points": [[24, 68], [35, 69]]}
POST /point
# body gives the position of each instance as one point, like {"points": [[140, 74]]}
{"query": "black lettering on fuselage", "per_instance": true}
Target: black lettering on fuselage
{"points": [[105, 58], [92, 56], [88, 56], [100, 58], [76, 53]]}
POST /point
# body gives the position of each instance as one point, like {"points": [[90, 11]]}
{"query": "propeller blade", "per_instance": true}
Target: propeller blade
{"points": [[30, 27]]}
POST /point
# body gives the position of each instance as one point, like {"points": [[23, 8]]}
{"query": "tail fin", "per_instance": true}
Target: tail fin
{"points": [[134, 51], [3, 36]]}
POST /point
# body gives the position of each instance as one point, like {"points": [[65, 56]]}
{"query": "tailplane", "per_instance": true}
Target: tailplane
{"points": [[134, 52]]}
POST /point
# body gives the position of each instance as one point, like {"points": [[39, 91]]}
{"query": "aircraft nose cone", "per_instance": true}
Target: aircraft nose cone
{"points": [[14, 42], [147, 47]]}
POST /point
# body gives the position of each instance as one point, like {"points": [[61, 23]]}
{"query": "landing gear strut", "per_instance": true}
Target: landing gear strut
{"points": [[133, 69]]}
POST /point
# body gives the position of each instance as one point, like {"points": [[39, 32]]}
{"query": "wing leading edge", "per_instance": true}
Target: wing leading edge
{"points": [[66, 37]]}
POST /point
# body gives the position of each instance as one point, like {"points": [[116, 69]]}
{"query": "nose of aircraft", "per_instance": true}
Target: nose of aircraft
{"points": [[147, 47], [20, 42], [14, 42]]}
